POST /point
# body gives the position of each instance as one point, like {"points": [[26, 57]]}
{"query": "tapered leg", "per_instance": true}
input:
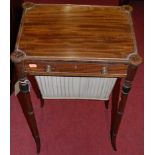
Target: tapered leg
{"points": [[36, 89], [118, 116], [26, 105], [115, 100], [116, 120]]}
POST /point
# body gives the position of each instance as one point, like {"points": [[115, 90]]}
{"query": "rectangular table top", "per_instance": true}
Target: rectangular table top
{"points": [[76, 32]]}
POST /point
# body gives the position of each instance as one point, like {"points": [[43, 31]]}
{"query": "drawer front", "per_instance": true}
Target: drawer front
{"points": [[73, 69]]}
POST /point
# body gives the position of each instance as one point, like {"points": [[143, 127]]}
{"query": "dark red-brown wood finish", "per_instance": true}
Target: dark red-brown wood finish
{"points": [[15, 16], [115, 102], [76, 40]]}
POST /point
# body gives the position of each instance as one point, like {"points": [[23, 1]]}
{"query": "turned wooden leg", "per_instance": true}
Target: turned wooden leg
{"points": [[124, 94], [26, 105], [36, 89], [115, 101], [106, 104], [13, 79], [117, 116]]}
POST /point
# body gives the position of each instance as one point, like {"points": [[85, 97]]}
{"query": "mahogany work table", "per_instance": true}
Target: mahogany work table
{"points": [[76, 41]]}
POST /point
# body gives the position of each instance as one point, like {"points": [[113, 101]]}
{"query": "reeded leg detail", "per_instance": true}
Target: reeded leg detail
{"points": [[118, 110], [124, 94], [25, 102]]}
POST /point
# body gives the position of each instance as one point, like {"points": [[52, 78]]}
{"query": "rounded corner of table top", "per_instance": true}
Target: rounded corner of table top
{"points": [[18, 56], [109, 39]]}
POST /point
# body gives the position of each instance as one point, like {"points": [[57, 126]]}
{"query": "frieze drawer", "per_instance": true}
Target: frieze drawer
{"points": [[57, 68]]}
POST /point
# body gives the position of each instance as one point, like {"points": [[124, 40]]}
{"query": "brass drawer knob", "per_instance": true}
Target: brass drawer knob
{"points": [[104, 70], [48, 68], [75, 67]]}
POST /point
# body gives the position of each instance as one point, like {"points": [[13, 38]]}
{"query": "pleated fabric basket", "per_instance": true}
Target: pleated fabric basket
{"points": [[54, 87]]}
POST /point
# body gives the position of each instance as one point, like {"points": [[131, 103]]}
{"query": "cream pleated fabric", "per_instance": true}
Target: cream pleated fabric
{"points": [[75, 87]]}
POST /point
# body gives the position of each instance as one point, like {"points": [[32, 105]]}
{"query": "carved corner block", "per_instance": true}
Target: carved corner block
{"points": [[17, 56], [135, 60], [128, 8], [27, 5]]}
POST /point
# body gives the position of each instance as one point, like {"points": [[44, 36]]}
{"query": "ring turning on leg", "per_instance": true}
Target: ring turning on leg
{"points": [[118, 107], [26, 105]]}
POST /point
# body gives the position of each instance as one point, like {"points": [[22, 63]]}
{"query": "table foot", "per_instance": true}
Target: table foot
{"points": [[37, 141], [113, 140]]}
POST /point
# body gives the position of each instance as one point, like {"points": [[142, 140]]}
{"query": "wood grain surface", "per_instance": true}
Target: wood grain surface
{"points": [[75, 69], [76, 32]]}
